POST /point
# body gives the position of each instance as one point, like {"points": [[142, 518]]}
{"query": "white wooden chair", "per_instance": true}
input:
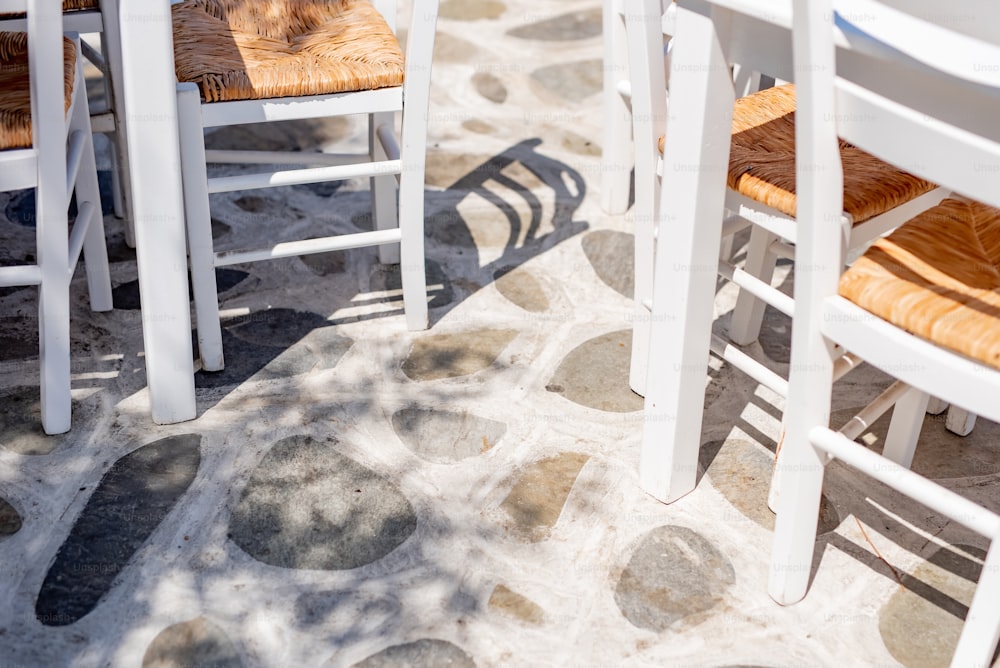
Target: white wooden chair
{"points": [[47, 145], [760, 194], [922, 303], [351, 64]]}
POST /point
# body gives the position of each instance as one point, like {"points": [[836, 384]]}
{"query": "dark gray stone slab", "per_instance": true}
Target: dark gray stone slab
{"points": [[18, 338], [446, 436], [425, 653], [674, 573], [21, 423], [307, 506], [126, 295], [264, 344], [595, 374], [129, 503], [10, 521], [612, 255], [196, 642], [562, 28], [262, 208], [452, 355], [440, 289], [539, 493]]}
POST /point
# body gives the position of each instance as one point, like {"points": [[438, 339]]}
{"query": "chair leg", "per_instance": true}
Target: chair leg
{"points": [[982, 625], [904, 427], [53, 310], [616, 155], [383, 189], [199, 228], [748, 315], [87, 190], [411, 222], [960, 421]]}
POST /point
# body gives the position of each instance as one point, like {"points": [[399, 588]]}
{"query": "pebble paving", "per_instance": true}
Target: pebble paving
{"points": [[355, 494]]}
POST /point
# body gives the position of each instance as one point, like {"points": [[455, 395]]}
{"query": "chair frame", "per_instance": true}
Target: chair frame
{"points": [[59, 162], [903, 127], [399, 227]]}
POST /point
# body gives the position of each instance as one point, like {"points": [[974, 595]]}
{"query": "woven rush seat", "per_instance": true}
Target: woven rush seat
{"points": [[15, 94], [762, 161], [938, 277], [257, 49], [67, 5]]}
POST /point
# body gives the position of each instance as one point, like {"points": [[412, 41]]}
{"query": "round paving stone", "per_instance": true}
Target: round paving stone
{"points": [[471, 10], [921, 622], [425, 653], [673, 574], [21, 423], [490, 87], [10, 521], [128, 504], [446, 436], [539, 493], [197, 642], [572, 82], [453, 355], [595, 374], [307, 506], [522, 288], [612, 255], [514, 605]]}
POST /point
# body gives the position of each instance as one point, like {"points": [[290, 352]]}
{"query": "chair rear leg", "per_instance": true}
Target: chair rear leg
{"points": [[383, 189], [199, 228], [748, 315]]}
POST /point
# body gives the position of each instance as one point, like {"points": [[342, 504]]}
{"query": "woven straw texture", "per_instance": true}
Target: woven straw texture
{"points": [[938, 277], [15, 93], [67, 5], [762, 161], [255, 49]]}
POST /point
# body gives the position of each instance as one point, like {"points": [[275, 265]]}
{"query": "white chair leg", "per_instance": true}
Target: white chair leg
{"points": [[981, 631], [936, 406], [87, 190], [199, 227], [383, 190], [960, 421], [904, 427], [616, 151], [53, 308], [686, 263], [748, 315]]}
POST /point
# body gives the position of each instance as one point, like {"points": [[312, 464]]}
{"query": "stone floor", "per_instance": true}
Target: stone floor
{"points": [[353, 494]]}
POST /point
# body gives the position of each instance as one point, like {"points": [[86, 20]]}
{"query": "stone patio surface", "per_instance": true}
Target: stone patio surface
{"points": [[354, 494]]}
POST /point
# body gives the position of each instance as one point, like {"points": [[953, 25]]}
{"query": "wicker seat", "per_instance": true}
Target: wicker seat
{"points": [[15, 93], [938, 277], [237, 50]]}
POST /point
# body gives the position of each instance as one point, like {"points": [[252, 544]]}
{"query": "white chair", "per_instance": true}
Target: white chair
{"points": [[346, 61], [920, 304], [47, 145], [760, 194]]}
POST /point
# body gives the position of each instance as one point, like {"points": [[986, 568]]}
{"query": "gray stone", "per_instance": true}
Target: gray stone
{"points": [[451, 49], [307, 506], [490, 87], [612, 255], [562, 28], [595, 374], [573, 82], [921, 622], [10, 521], [196, 642], [741, 471], [446, 436], [387, 277], [21, 423], [444, 168], [478, 126], [325, 264], [471, 10], [18, 338], [126, 296], [539, 493], [425, 653], [522, 288], [674, 574], [579, 144], [259, 208], [452, 355], [129, 503], [515, 605], [301, 135]]}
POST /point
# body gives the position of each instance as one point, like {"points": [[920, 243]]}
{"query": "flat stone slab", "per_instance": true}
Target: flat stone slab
{"points": [[521, 287], [471, 10], [562, 28], [425, 653], [21, 424], [512, 604], [539, 493], [612, 255], [674, 574], [197, 642], [446, 436], [437, 356], [128, 504], [307, 506], [595, 374], [572, 82], [10, 521]]}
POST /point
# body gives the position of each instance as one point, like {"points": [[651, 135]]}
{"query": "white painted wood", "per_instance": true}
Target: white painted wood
{"points": [[150, 105], [307, 246], [960, 421], [616, 149], [904, 428]]}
